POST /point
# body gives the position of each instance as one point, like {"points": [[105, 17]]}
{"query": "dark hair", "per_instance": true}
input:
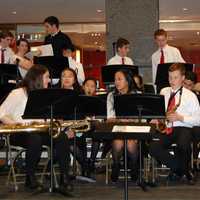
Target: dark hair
{"points": [[23, 40], [76, 84], [66, 46], [129, 78], [177, 67], [121, 42], [160, 32], [5, 34], [140, 80], [191, 76], [90, 79], [52, 20], [34, 78]]}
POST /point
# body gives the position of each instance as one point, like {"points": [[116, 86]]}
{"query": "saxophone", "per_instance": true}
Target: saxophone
{"points": [[162, 125], [36, 127]]}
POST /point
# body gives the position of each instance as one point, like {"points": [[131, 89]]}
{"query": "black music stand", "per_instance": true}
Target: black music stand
{"points": [[108, 72], [51, 104], [140, 106], [162, 74], [92, 106], [9, 72], [54, 64]]}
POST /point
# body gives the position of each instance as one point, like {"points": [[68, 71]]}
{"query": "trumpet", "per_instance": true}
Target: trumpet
{"points": [[57, 127]]}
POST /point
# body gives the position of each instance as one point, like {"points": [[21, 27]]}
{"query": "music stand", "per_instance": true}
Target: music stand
{"points": [[54, 64], [108, 72], [9, 72], [162, 74], [92, 106], [51, 104], [140, 106]]}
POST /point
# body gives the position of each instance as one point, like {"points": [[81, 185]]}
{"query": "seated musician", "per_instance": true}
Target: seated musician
{"points": [[89, 88], [189, 83], [139, 82], [11, 112], [69, 81], [25, 63], [190, 80], [183, 113], [123, 85]]}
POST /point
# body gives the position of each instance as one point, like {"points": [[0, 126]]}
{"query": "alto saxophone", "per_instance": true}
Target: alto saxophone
{"points": [[162, 125], [57, 127]]}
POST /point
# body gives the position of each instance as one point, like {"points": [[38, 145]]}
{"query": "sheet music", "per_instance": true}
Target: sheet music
{"points": [[131, 129], [44, 50]]}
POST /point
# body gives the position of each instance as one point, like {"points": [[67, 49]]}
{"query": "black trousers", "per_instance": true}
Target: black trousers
{"points": [[33, 144], [179, 162], [196, 140]]}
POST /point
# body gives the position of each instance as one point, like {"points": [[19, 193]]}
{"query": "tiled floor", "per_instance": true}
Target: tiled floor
{"points": [[100, 191]]}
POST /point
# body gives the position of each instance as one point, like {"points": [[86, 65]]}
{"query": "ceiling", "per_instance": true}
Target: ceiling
{"points": [[179, 9], [29, 11], [34, 11]]}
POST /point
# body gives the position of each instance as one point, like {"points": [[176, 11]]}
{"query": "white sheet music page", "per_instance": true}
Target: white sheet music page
{"points": [[131, 129], [44, 50]]}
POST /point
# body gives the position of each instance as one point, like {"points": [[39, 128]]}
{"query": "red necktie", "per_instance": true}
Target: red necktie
{"points": [[123, 61], [162, 58], [170, 107], [2, 56]]}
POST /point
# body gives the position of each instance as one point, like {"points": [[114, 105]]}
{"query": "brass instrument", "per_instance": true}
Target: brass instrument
{"points": [[162, 125], [57, 127]]}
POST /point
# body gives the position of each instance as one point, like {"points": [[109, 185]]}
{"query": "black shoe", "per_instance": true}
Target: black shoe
{"points": [[32, 183], [64, 190], [65, 183], [190, 178]]}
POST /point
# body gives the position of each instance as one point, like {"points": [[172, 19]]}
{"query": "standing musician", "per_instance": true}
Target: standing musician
{"points": [[76, 66], [6, 53], [123, 48], [11, 112], [183, 113], [55, 37], [165, 53], [123, 85]]}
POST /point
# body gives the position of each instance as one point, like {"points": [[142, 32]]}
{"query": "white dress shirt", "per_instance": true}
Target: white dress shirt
{"points": [[78, 68], [117, 60], [189, 107], [171, 55], [8, 55], [110, 106], [14, 106], [22, 71]]}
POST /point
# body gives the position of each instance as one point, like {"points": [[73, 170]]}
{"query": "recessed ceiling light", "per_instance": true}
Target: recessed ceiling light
{"points": [[14, 12], [99, 10], [185, 9], [198, 33]]}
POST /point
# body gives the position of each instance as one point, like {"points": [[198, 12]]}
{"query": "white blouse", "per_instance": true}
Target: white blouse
{"points": [[14, 106]]}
